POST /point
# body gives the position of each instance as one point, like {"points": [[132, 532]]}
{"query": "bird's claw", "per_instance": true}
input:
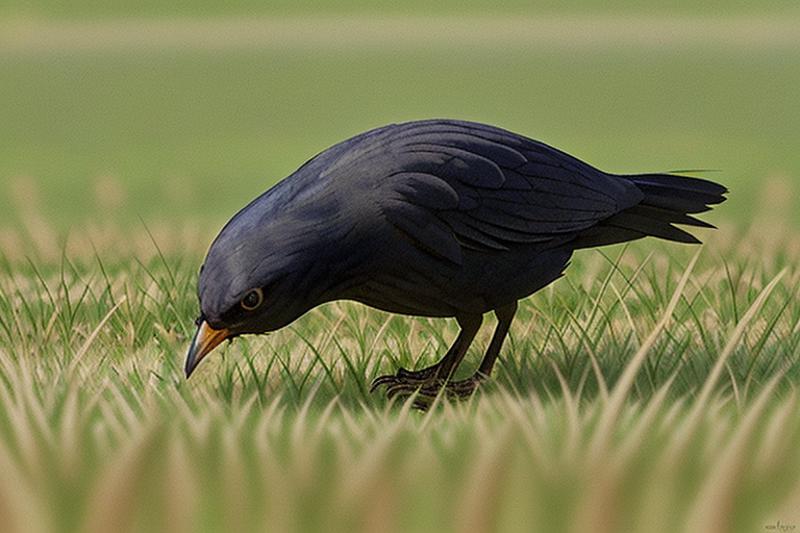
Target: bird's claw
{"points": [[381, 380], [389, 380], [403, 376], [406, 384]]}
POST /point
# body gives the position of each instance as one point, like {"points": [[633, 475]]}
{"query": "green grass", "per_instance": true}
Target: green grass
{"points": [[206, 8], [635, 394], [600, 412], [173, 127]]}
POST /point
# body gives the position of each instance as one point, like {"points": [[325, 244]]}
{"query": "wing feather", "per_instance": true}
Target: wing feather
{"points": [[449, 185]]}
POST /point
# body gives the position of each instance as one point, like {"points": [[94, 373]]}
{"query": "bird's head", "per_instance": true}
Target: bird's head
{"points": [[251, 281], [272, 261]]}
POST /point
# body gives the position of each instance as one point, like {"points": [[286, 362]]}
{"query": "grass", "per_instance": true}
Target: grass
{"points": [[166, 127], [206, 8], [639, 393]]}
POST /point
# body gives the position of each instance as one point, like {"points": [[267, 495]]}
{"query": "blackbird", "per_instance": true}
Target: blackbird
{"points": [[437, 218]]}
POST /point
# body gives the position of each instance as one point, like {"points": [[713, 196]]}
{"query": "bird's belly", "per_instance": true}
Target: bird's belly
{"points": [[484, 282], [398, 295]]}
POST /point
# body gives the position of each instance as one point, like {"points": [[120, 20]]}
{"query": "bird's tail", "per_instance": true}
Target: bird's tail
{"points": [[668, 200]]}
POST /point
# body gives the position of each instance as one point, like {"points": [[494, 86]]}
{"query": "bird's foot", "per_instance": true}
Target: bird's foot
{"points": [[425, 391], [418, 377]]}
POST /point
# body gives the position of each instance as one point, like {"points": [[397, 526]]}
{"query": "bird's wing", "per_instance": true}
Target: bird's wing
{"points": [[449, 185]]}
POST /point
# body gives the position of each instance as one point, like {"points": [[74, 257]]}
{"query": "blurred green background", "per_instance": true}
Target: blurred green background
{"points": [[188, 110]]}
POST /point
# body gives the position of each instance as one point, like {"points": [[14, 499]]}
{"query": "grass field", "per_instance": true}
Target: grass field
{"points": [[636, 394], [654, 388]]}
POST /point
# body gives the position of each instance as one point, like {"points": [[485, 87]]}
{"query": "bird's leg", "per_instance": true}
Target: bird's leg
{"points": [[504, 316], [406, 381], [447, 364], [465, 387]]}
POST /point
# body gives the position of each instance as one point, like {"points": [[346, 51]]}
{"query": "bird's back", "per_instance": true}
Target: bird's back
{"points": [[461, 214]]}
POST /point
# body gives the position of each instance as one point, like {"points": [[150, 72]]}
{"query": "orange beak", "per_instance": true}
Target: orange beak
{"points": [[205, 340]]}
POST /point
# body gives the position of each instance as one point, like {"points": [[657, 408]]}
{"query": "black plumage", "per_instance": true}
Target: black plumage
{"points": [[436, 218]]}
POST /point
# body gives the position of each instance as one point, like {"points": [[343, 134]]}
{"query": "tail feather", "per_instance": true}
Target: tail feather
{"points": [[686, 183], [650, 226], [667, 200], [668, 215]]}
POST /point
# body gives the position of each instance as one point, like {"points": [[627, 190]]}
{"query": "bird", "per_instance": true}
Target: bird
{"points": [[434, 218]]}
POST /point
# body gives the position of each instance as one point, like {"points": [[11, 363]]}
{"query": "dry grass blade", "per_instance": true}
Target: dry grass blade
{"points": [[713, 510], [611, 410], [687, 429], [90, 339]]}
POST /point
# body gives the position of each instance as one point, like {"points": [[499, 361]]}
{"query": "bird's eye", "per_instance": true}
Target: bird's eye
{"points": [[252, 299]]}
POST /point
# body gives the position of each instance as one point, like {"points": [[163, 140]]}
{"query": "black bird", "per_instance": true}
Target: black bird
{"points": [[438, 218]]}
